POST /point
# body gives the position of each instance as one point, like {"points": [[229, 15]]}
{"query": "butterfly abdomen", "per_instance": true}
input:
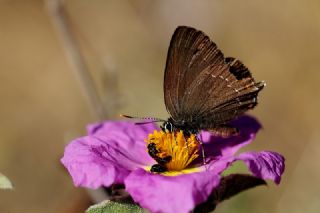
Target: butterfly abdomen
{"points": [[195, 126]]}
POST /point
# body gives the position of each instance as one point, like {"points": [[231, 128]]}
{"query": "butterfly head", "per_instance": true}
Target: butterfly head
{"points": [[168, 126]]}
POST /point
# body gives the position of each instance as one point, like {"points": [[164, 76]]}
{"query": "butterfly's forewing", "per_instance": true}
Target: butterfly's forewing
{"points": [[190, 52], [201, 85]]}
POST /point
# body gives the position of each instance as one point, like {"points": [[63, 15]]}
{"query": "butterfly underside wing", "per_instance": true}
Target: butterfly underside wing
{"points": [[202, 88]]}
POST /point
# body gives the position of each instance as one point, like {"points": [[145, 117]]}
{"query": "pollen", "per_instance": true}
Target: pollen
{"points": [[173, 150]]}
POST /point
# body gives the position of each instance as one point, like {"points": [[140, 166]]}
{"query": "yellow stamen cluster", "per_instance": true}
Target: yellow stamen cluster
{"points": [[183, 150]]}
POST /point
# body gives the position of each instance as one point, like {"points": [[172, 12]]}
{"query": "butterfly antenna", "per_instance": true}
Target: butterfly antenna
{"points": [[152, 120]]}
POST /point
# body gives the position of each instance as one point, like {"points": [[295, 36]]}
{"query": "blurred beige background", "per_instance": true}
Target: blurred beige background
{"points": [[124, 44]]}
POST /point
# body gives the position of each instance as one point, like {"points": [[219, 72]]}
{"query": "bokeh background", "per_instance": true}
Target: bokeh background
{"points": [[124, 45]]}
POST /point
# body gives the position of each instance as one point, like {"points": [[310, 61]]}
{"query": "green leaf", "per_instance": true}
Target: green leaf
{"points": [[5, 183], [109, 206]]}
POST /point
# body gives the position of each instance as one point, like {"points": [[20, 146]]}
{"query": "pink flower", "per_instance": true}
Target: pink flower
{"points": [[115, 152]]}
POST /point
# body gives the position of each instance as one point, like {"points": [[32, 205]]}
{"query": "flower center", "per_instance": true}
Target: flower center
{"points": [[173, 151]]}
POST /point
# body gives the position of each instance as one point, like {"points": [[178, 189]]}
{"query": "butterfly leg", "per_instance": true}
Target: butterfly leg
{"points": [[202, 151]]}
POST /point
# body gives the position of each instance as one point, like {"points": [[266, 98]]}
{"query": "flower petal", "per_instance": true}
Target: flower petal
{"points": [[264, 164], [89, 167], [108, 154], [170, 194], [125, 136], [226, 147]]}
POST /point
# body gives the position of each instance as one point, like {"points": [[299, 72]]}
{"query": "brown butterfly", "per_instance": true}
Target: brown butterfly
{"points": [[203, 90]]}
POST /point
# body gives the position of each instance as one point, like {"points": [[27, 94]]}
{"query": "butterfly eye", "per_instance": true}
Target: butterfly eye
{"points": [[168, 126]]}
